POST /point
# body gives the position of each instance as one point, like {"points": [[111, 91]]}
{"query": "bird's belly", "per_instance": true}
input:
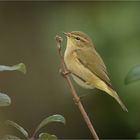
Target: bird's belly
{"points": [[80, 74], [82, 83], [89, 79]]}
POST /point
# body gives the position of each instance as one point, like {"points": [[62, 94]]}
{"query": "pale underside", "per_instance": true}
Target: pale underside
{"points": [[82, 83]]}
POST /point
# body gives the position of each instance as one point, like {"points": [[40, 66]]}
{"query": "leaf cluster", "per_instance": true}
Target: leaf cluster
{"points": [[6, 101], [42, 135]]}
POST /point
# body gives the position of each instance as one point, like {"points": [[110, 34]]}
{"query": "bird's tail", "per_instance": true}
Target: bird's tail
{"points": [[117, 98]]}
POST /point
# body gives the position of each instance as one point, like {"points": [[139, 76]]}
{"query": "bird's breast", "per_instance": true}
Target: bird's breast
{"points": [[79, 73], [69, 59]]}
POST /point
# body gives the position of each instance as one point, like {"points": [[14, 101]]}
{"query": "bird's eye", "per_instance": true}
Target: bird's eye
{"points": [[77, 38]]}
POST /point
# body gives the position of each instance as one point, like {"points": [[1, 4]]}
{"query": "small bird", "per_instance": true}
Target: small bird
{"points": [[86, 66]]}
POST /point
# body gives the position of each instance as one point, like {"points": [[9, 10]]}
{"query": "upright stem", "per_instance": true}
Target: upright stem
{"points": [[73, 91]]}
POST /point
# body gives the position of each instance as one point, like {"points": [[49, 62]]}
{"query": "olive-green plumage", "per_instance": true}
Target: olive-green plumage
{"points": [[86, 65]]}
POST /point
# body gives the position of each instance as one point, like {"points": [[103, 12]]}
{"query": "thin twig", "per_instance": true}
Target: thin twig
{"points": [[73, 91]]}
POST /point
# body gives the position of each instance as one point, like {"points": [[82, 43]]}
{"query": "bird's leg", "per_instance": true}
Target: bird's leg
{"points": [[64, 72]]}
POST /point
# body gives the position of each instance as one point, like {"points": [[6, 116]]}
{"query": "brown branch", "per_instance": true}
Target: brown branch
{"points": [[73, 91]]}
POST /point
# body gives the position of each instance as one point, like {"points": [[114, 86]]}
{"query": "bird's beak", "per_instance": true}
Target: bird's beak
{"points": [[67, 34]]}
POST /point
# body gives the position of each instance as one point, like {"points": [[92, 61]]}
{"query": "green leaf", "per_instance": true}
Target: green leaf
{"points": [[46, 136], [133, 75], [19, 67], [11, 137], [4, 100], [53, 118], [18, 127]]}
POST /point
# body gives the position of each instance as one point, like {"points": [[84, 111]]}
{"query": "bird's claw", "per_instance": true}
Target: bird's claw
{"points": [[64, 73]]}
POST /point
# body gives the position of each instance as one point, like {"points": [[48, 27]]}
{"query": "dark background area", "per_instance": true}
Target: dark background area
{"points": [[27, 34]]}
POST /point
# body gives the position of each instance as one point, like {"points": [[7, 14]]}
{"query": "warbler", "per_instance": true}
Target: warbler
{"points": [[86, 66]]}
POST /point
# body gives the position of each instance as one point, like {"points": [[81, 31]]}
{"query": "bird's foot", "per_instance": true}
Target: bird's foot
{"points": [[64, 72]]}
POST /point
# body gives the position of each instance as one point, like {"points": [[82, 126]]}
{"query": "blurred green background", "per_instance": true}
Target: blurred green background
{"points": [[27, 34]]}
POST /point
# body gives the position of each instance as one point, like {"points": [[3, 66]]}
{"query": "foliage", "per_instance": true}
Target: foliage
{"points": [[18, 127], [46, 136], [53, 118], [19, 67], [133, 75], [41, 136], [5, 99]]}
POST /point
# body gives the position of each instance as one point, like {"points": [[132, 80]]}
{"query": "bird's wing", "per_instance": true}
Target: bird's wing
{"points": [[92, 60]]}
